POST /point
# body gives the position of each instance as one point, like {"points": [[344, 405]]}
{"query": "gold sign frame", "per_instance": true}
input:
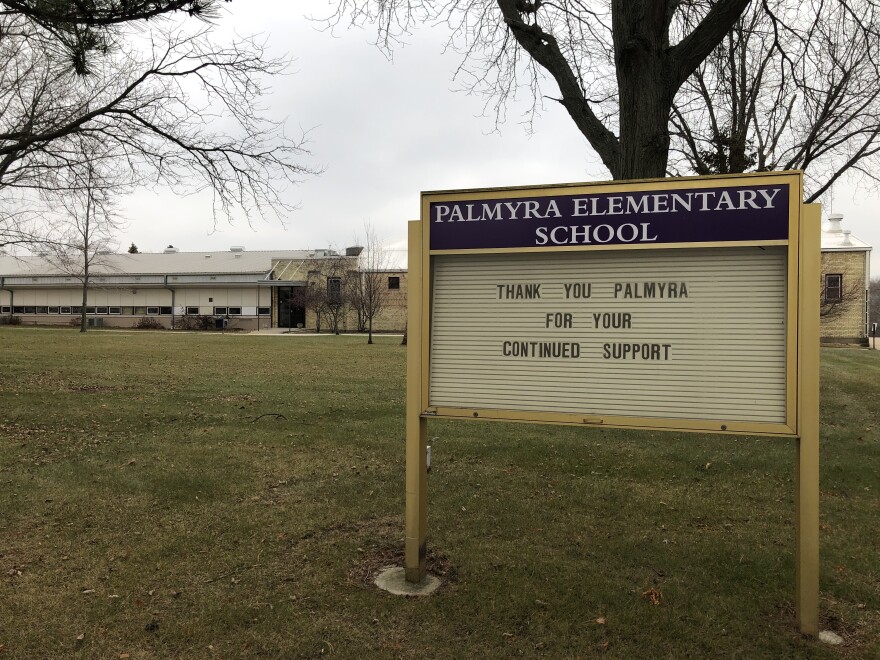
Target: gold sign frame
{"points": [[801, 366]]}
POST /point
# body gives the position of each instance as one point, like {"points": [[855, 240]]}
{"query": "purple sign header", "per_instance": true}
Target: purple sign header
{"points": [[694, 215]]}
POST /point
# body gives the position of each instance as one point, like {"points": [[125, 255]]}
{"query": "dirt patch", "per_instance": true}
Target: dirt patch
{"points": [[855, 630], [371, 562]]}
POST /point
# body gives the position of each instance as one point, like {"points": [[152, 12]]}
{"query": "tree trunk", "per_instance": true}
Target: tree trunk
{"points": [[370, 331], [641, 55], [649, 73], [83, 322]]}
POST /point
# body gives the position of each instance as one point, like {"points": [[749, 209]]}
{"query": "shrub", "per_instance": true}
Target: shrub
{"points": [[148, 323], [194, 323], [10, 320]]}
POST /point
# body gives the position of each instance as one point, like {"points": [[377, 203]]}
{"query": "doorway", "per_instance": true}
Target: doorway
{"points": [[290, 314]]}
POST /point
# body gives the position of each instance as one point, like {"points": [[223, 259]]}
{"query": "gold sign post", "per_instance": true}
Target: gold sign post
{"points": [[416, 424], [807, 478], [670, 304]]}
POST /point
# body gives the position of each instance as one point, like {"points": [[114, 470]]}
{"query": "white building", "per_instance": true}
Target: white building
{"points": [[172, 288]]}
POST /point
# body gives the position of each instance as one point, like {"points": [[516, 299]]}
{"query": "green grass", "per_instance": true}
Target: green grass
{"points": [[154, 470]]}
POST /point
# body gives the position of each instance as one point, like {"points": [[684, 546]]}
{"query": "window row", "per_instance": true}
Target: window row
{"points": [[31, 309], [229, 311], [134, 311], [219, 311]]}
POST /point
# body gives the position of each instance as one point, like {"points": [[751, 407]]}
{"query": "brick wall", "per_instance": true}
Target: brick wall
{"points": [[846, 320], [392, 317]]}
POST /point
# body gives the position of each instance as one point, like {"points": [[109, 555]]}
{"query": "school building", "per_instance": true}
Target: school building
{"points": [[249, 290], [253, 290]]}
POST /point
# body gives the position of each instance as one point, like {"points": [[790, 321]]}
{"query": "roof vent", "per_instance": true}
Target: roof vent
{"points": [[237, 248], [170, 250], [846, 240], [834, 221]]}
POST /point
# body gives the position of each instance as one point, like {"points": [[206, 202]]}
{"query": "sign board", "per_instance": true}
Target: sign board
{"points": [[686, 304], [662, 304]]}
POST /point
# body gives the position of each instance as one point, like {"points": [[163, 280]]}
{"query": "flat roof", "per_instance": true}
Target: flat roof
{"points": [[162, 263], [837, 239]]}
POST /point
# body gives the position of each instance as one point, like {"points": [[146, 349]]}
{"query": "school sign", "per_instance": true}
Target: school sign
{"points": [[673, 304]]}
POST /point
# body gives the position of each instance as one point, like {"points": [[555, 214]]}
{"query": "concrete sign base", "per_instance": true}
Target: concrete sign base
{"points": [[393, 580]]}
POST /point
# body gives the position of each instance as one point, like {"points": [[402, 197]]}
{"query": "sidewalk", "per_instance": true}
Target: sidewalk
{"points": [[279, 331], [302, 332]]}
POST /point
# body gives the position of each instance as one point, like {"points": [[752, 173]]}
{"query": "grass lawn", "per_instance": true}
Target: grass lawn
{"points": [[199, 495]]}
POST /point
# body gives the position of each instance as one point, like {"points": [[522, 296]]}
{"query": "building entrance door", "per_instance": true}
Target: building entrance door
{"points": [[290, 315]]}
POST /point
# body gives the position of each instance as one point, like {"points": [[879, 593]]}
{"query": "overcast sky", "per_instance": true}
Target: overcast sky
{"points": [[383, 132]]}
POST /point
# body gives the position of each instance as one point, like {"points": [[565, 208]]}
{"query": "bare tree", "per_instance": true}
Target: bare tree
{"points": [[83, 29], [372, 278], [833, 304], [169, 104], [329, 295], [786, 90], [619, 65], [316, 298], [20, 227], [356, 300], [88, 236]]}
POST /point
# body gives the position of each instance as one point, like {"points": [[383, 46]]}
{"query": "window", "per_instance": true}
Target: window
{"points": [[152, 310], [334, 290], [192, 311], [76, 310], [101, 310], [18, 310], [6, 309], [165, 310], [90, 310], [139, 311], [234, 311], [220, 311], [54, 310], [833, 288], [114, 310], [65, 310], [42, 310], [264, 311], [393, 282]]}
